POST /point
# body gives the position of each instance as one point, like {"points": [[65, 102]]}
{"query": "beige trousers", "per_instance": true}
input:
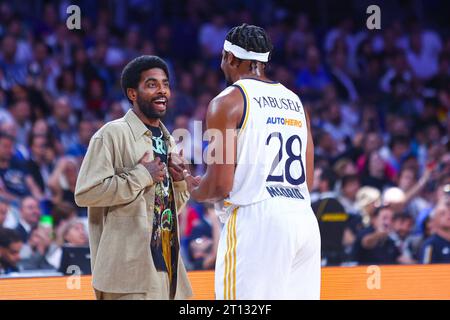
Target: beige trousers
{"points": [[164, 294]]}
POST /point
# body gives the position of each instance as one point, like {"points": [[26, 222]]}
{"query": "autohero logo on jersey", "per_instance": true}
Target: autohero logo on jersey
{"points": [[284, 121], [280, 103]]}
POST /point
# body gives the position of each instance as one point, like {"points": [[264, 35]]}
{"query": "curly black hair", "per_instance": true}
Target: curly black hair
{"points": [[131, 74], [251, 38]]}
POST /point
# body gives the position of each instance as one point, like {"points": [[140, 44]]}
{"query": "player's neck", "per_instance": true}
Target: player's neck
{"points": [[261, 77]]}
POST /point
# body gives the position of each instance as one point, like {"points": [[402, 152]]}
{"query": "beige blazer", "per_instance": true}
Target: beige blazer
{"points": [[119, 193]]}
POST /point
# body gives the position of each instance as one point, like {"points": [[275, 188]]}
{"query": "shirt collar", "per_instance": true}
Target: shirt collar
{"points": [[138, 128], [25, 225]]}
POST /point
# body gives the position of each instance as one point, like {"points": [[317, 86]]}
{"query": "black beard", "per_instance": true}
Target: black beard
{"points": [[147, 109]]}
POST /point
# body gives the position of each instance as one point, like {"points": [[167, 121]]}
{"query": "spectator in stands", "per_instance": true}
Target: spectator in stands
{"points": [[300, 38], [96, 103], [418, 239], [375, 172], [70, 233], [30, 214], [350, 185], [326, 184], [374, 244], [3, 211], [422, 58], [398, 73], [14, 71], [403, 224], [345, 167], [63, 180], [332, 218], [21, 114], [66, 86], [312, 79], [74, 233], [409, 183], [335, 125], [437, 248], [10, 247], [39, 165], [341, 77], [400, 148], [211, 36], [204, 240], [371, 142], [86, 129], [20, 152], [368, 199], [325, 147], [35, 253], [62, 123], [63, 212], [349, 188], [15, 181]]}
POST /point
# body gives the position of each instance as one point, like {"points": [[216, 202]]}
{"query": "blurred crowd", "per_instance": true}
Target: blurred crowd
{"points": [[379, 102]]}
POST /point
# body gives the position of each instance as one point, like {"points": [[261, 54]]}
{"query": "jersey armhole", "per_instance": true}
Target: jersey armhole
{"points": [[244, 113]]}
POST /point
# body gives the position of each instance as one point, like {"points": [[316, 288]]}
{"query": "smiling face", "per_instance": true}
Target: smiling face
{"points": [[153, 93]]}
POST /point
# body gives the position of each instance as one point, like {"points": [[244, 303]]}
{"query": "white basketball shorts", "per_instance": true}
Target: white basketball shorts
{"points": [[269, 250]]}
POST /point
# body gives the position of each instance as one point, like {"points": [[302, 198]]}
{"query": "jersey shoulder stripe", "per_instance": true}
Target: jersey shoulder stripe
{"points": [[244, 114], [244, 119]]}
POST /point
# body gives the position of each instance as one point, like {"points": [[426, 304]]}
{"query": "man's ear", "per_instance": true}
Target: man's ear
{"points": [[232, 60], [131, 94]]}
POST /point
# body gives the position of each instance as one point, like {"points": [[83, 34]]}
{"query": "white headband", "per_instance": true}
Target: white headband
{"points": [[241, 53]]}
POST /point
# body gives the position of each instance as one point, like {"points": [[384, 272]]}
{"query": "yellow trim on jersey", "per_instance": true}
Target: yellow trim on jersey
{"points": [[247, 110], [229, 280]]}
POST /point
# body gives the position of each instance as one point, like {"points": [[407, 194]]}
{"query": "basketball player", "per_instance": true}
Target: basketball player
{"points": [[270, 244]]}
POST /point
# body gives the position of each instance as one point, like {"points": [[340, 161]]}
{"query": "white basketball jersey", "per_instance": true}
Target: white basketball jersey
{"points": [[271, 145]]}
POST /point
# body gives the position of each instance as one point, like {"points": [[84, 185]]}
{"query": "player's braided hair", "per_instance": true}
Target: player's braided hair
{"points": [[250, 37]]}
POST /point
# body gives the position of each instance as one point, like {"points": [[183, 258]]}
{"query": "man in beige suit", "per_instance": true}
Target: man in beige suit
{"points": [[134, 192]]}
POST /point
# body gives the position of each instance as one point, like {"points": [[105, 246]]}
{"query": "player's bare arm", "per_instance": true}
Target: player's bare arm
{"points": [[309, 155], [224, 112]]}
